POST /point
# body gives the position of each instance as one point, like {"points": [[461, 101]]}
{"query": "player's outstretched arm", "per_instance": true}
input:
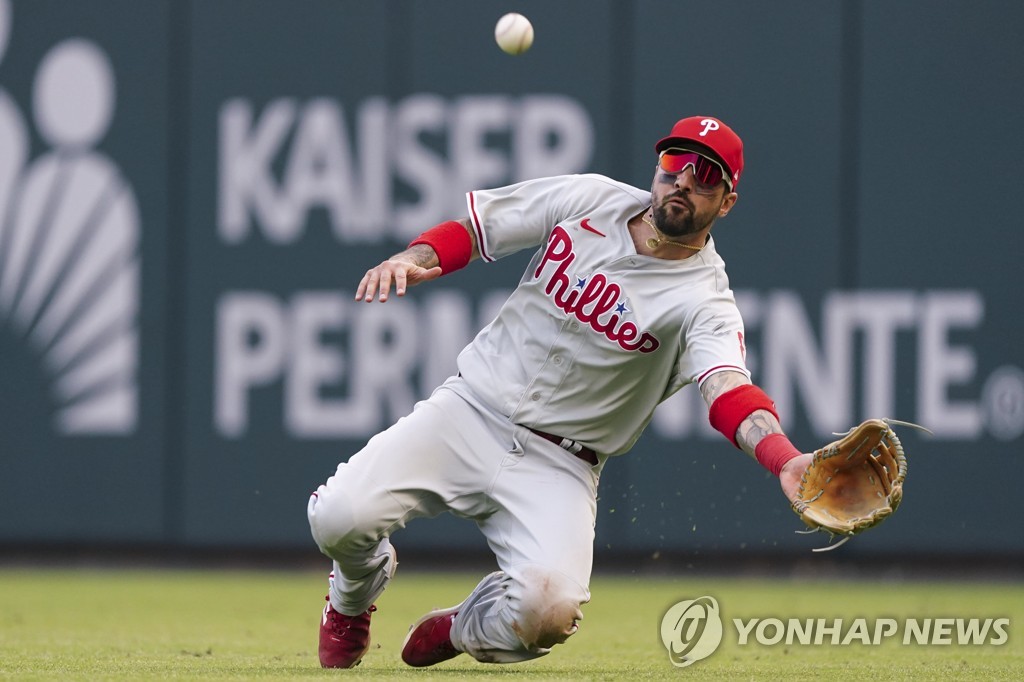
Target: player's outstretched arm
{"points": [[440, 250], [746, 416]]}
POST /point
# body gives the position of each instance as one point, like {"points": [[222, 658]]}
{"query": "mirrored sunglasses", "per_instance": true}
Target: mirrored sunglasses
{"points": [[706, 172]]}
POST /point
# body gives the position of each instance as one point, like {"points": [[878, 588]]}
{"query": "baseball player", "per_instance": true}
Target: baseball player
{"points": [[625, 302]]}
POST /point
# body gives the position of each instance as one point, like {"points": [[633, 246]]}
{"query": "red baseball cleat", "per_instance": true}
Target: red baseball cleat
{"points": [[344, 640], [429, 641]]}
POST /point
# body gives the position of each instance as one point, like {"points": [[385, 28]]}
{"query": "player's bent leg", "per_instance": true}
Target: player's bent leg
{"points": [[363, 559], [345, 637], [545, 607], [350, 518], [518, 616], [412, 469], [363, 566], [542, 536], [375, 493]]}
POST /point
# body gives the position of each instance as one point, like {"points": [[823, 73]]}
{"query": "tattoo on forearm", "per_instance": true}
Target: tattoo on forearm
{"points": [[756, 426]]}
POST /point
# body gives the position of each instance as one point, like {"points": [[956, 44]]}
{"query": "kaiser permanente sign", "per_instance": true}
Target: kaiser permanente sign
{"points": [[278, 164]]}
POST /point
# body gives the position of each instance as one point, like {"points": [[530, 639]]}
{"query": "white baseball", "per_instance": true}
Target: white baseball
{"points": [[514, 33]]}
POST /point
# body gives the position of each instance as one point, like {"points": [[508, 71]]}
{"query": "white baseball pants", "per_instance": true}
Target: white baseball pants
{"points": [[534, 502]]}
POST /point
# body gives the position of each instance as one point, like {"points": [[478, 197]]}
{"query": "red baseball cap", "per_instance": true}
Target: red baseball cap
{"points": [[712, 134]]}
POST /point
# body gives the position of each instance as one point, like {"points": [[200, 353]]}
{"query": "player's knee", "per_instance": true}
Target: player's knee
{"points": [[549, 608], [336, 526], [551, 625]]}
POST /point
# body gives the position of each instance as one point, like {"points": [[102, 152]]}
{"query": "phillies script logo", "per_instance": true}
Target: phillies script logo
{"points": [[591, 302]]}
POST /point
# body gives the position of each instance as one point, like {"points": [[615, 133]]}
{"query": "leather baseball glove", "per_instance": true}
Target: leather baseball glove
{"points": [[854, 483]]}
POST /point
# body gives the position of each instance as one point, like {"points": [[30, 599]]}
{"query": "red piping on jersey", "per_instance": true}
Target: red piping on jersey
{"points": [[715, 369], [476, 228]]}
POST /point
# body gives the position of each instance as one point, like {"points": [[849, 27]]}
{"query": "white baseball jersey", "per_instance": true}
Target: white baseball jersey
{"points": [[595, 336]]}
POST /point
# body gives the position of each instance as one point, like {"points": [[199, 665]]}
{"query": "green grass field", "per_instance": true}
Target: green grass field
{"points": [[144, 624]]}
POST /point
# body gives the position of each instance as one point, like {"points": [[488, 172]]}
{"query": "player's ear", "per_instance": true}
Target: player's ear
{"points": [[727, 203]]}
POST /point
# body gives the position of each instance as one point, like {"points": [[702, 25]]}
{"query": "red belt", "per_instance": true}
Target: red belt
{"points": [[570, 446]]}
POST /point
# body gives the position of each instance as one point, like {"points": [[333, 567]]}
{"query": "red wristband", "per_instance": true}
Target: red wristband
{"points": [[452, 244], [732, 407], [774, 451]]}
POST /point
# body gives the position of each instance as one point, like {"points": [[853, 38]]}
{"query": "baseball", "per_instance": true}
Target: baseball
{"points": [[514, 33]]}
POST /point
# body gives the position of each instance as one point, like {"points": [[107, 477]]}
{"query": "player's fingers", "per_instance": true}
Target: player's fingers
{"points": [[385, 284], [401, 282], [417, 275], [376, 283], [372, 278], [432, 273], [361, 289]]}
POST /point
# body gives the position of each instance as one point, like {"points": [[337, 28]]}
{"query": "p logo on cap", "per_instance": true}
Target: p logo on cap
{"points": [[709, 124], [712, 134]]}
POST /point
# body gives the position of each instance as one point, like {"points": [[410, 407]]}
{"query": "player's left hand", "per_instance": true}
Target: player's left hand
{"points": [[854, 483], [792, 473]]}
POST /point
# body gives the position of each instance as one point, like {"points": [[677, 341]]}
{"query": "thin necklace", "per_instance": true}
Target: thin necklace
{"points": [[655, 242]]}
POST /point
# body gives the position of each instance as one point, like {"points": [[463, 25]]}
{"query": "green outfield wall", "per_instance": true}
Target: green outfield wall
{"points": [[190, 192]]}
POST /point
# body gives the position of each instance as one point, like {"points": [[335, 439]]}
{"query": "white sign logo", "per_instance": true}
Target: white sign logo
{"points": [[69, 237], [709, 124], [691, 630]]}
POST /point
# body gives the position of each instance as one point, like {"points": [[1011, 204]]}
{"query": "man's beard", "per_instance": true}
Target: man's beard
{"points": [[679, 224]]}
